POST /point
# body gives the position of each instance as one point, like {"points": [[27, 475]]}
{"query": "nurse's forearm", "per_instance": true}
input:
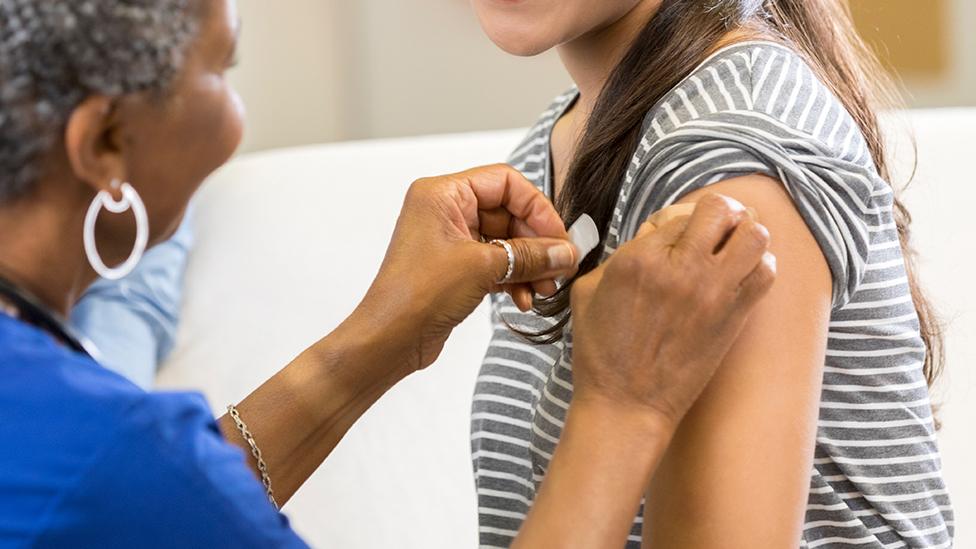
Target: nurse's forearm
{"points": [[299, 416], [592, 491]]}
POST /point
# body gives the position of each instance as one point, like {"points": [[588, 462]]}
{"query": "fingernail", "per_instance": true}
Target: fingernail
{"points": [[736, 205], [547, 292], [762, 230], [561, 257], [770, 260]]}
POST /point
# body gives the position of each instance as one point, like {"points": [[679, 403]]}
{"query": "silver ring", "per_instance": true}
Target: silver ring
{"points": [[511, 259]]}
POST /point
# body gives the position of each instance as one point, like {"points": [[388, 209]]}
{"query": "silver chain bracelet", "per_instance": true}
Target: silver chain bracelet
{"points": [[255, 451]]}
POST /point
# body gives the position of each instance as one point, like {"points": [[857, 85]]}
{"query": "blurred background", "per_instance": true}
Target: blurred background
{"points": [[316, 71]]}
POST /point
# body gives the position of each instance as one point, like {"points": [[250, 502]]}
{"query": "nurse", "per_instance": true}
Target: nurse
{"points": [[112, 113]]}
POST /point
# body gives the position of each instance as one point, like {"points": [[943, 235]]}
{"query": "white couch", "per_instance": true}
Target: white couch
{"points": [[289, 241]]}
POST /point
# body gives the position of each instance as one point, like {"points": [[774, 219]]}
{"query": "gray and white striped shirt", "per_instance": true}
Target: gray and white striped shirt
{"points": [[753, 107]]}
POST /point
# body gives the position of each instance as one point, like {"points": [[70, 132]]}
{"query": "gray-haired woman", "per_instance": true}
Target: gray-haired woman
{"points": [[122, 105]]}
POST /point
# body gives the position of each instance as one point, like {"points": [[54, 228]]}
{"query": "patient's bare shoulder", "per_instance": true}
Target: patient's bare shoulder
{"points": [[738, 471]]}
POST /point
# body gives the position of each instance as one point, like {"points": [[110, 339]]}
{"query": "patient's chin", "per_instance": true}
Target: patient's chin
{"points": [[520, 43], [520, 40]]}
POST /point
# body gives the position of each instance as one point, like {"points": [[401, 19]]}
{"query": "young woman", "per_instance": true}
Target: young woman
{"points": [[817, 431]]}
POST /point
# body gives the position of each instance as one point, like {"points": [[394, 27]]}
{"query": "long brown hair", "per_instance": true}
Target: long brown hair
{"points": [[679, 37]]}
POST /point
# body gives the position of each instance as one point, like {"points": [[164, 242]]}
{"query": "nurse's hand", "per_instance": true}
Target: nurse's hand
{"points": [[438, 267], [653, 323]]}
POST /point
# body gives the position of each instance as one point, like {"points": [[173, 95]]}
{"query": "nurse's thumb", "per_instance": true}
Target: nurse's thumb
{"points": [[535, 259]]}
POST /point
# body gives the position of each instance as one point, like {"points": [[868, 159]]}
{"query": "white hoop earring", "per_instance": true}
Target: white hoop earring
{"points": [[130, 199]]}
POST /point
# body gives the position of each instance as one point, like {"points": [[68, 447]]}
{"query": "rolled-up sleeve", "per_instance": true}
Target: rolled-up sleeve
{"points": [[834, 196]]}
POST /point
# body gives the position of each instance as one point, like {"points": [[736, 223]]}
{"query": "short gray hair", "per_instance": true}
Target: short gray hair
{"points": [[55, 53]]}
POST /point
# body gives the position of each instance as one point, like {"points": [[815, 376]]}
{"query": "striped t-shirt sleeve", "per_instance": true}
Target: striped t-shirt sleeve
{"points": [[834, 195]]}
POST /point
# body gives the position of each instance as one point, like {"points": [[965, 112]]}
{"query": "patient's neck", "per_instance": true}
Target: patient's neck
{"points": [[41, 249], [591, 58]]}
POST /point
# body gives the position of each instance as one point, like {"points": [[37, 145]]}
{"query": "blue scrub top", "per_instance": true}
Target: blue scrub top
{"points": [[87, 459]]}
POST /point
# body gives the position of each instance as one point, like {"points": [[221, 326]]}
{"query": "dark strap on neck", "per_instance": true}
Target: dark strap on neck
{"points": [[33, 312]]}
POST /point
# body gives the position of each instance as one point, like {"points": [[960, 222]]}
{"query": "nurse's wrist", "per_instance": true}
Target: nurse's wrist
{"points": [[379, 343], [614, 417], [398, 316]]}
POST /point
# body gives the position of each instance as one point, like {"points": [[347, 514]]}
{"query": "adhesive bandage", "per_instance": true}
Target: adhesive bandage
{"points": [[585, 236]]}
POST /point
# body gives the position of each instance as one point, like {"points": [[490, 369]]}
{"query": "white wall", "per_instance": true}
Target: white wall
{"points": [[327, 70], [290, 72], [426, 67]]}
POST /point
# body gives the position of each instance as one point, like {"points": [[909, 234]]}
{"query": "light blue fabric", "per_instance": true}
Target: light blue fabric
{"points": [[133, 321]]}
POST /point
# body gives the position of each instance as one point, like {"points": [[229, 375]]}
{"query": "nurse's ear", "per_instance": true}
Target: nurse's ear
{"points": [[93, 145]]}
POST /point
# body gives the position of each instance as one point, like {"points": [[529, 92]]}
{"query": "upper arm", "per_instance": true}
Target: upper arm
{"points": [[737, 473]]}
